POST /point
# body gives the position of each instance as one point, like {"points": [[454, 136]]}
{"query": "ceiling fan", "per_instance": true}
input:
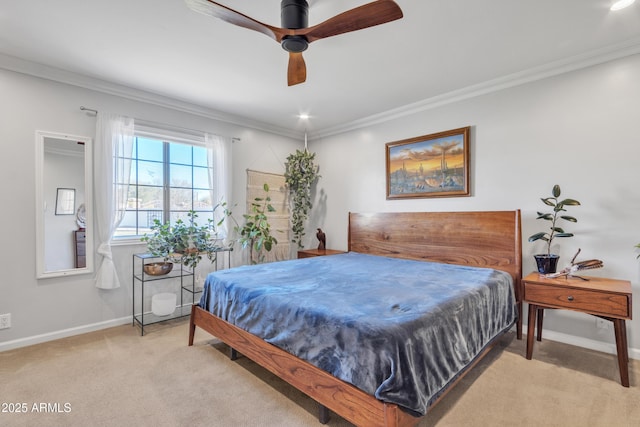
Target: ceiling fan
{"points": [[295, 34]]}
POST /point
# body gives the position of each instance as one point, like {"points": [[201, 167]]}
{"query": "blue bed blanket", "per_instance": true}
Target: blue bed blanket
{"points": [[397, 329]]}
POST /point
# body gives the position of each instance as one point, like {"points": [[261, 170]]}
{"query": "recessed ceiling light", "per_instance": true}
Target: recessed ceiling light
{"points": [[621, 4]]}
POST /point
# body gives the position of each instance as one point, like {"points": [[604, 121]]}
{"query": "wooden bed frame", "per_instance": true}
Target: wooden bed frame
{"points": [[484, 239]]}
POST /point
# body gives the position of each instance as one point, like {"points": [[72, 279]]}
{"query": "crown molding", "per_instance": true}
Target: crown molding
{"points": [[34, 69], [591, 58], [588, 59]]}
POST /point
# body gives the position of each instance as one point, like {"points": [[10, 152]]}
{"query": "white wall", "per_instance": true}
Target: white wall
{"points": [[51, 308], [578, 130]]}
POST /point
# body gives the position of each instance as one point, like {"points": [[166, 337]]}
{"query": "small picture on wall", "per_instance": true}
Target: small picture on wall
{"points": [[66, 201], [434, 165]]}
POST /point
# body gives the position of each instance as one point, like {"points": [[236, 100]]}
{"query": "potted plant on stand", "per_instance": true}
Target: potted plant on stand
{"points": [[548, 262], [185, 242]]}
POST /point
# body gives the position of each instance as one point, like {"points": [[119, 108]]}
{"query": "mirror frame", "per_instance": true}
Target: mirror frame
{"points": [[41, 272]]}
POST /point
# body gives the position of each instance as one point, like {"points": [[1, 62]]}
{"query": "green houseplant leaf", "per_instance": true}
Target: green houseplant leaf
{"points": [[255, 234], [558, 206], [186, 242], [300, 174]]}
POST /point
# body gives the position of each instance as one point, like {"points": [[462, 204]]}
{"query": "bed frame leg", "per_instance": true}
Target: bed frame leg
{"points": [[323, 414], [233, 353], [192, 326]]}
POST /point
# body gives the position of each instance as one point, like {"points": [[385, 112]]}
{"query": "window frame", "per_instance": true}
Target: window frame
{"points": [[167, 136]]}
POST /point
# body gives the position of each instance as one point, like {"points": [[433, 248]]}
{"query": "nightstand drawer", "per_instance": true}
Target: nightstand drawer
{"points": [[589, 301]]}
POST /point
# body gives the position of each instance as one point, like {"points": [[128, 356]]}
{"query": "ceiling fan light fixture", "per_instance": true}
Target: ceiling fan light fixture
{"points": [[294, 15], [621, 4], [294, 43]]}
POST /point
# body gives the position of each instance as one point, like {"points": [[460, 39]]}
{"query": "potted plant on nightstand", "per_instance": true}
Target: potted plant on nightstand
{"points": [[548, 262]]}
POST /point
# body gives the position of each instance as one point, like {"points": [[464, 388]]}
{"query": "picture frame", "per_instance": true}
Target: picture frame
{"points": [[435, 165], [66, 201]]}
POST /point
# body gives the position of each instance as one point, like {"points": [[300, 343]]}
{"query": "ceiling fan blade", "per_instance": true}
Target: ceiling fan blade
{"points": [[297, 71], [365, 16], [217, 10]]}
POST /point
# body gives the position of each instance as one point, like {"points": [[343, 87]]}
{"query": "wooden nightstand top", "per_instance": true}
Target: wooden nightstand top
{"points": [[308, 253], [594, 283]]}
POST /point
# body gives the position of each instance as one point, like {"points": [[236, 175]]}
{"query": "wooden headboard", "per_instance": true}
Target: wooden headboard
{"points": [[481, 239]]}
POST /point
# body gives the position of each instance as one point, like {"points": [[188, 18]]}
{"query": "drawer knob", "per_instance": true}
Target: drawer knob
{"points": [[570, 298]]}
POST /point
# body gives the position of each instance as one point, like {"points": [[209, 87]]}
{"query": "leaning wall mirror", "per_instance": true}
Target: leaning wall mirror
{"points": [[64, 244]]}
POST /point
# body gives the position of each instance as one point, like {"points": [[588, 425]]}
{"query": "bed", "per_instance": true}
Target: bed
{"points": [[476, 243]]}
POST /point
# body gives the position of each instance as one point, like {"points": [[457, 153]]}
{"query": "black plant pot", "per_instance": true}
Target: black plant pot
{"points": [[547, 263]]}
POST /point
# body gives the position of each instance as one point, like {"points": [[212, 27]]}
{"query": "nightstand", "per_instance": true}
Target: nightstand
{"points": [[308, 253], [607, 299]]}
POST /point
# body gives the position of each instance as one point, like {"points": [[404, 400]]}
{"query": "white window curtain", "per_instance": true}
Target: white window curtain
{"points": [[112, 167], [219, 158]]}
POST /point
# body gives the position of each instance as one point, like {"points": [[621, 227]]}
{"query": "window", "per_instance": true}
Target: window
{"points": [[169, 177]]}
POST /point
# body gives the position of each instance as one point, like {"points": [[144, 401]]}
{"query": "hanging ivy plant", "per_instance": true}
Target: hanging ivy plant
{"points": [[301, 173]]}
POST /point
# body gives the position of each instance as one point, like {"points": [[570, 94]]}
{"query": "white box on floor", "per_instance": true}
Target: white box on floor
{"points": [[163, 304]]}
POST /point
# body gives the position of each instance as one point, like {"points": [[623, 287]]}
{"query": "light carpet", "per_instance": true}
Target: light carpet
{"points": [[116, 377]]}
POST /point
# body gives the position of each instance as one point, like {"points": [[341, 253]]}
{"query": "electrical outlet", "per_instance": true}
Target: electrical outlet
{"points": [[5, 321], [602, 323]]}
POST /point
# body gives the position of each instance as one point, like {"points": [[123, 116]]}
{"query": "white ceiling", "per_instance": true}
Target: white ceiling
{"points": [[440, 50]]}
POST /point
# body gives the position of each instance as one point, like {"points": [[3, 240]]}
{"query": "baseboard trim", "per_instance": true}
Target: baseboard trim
{"points": [[604, 347], [51, 336]]}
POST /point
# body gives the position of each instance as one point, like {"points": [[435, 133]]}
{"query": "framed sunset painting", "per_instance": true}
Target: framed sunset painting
{"points": [[434, 165]]}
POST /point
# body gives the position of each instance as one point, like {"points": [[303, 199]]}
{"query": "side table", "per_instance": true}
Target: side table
{"points": [[608, 299]]}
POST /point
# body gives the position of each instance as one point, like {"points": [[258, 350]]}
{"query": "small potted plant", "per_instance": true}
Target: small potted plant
{"points": [[548, 262], [160, 243], [185, 242]]}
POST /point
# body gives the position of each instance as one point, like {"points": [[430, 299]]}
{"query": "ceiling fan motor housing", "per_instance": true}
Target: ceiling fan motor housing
{"points": [[294, 14]]}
